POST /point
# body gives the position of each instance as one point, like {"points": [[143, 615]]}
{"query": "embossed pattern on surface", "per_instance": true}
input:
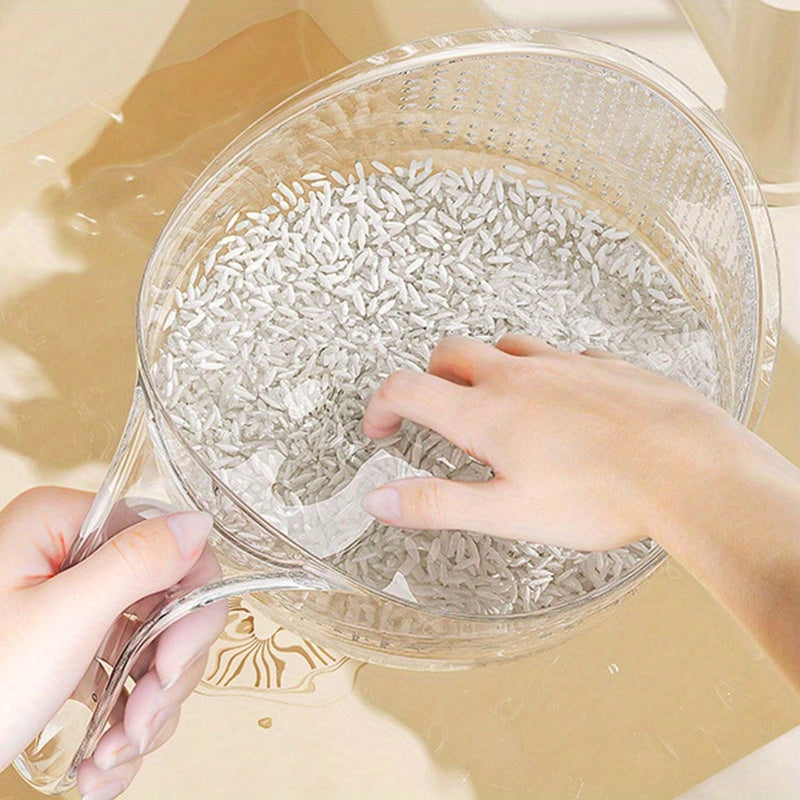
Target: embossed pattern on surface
{"points": [[255, 654]]}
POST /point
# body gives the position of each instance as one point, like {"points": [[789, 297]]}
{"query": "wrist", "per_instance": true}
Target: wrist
{"points": [[735, 517], [739, 535], [719, 480]]}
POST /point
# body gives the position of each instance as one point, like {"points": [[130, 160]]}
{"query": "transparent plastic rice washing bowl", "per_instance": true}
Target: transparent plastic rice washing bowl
{"points": [[625, 134]]}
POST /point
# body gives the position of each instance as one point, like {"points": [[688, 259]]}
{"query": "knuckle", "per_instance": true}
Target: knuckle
{"points": [[448, 345], [521, 375], [34, 494], [396, 385], [39, 496], [535, 371], [138, 551], [55, 506], [507, 338], [430, 504]]}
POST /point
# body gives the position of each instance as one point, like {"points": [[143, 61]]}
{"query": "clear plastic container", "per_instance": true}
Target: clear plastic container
{"points": [[627, 136]]}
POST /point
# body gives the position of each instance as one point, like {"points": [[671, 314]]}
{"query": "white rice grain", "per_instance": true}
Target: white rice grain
{"points": [[276, 344]]}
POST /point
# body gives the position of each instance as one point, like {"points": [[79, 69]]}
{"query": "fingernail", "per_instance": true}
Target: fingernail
{"points": [[106, 791], [154, 726], [383, 503], [190, 529], [106, 761], [168, 681]]}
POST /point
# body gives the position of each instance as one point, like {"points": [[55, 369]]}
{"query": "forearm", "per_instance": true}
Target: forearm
{"points": [[737, 530]]}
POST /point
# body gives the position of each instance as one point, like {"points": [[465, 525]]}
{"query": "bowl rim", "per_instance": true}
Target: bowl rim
{"points": [[499, 41]]}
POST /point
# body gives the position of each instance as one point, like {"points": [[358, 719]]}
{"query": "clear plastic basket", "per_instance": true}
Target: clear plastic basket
{"points": [[623, 133]]}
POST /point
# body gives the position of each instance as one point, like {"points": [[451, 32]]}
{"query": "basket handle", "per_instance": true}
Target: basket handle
{"points": [[133, 490]]}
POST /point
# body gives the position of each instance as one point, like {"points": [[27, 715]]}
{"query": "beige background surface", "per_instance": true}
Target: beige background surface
{"points": [[658, 696]]}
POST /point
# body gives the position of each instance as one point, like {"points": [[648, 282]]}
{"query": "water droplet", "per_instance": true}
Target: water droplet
{"points": [[84, 224], [117, 116], [508, 709], [673, 571], [437, 736], [42, 159]]}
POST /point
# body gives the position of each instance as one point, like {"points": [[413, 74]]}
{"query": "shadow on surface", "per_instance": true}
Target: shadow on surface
{"points": [[79, 327], [643, 705]]}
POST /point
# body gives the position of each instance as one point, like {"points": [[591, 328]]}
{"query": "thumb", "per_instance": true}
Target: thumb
{"points": [[433, 503], [146, 558]]}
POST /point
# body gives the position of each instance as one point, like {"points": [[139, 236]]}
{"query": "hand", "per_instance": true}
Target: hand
{"points": [[52, 623], [579, 444], [592, 453]]}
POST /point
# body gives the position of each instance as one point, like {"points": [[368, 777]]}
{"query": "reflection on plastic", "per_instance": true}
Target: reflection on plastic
{"points": [[329, 526], [398, 587]]}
